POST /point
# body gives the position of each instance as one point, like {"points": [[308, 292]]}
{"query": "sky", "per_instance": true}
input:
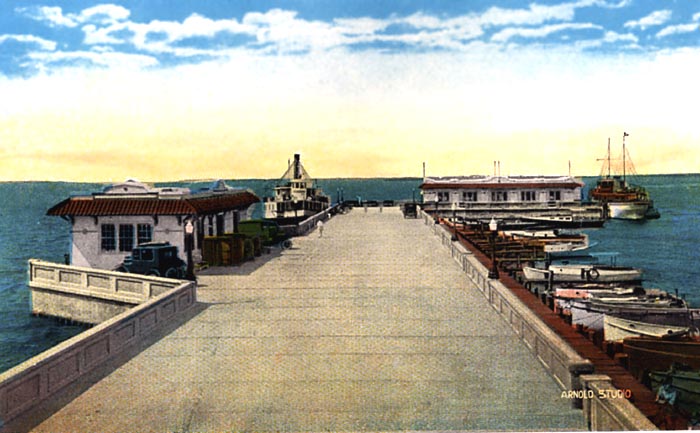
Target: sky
{"points": [[162, 90]]}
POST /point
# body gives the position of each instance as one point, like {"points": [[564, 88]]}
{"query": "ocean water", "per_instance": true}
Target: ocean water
{"points": [[668, 249]]}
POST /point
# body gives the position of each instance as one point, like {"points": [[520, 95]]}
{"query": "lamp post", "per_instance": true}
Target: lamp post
{"points": [[436, 210], [493, 227], [189, 245], [454, 221]]}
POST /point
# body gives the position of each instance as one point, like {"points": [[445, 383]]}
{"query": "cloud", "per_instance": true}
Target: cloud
{"points": [[612, 37], [54, 16], [101, 58], [678, 29], [655, 18], [103, 14], [539, 32], [42, 43], [278, 31]]}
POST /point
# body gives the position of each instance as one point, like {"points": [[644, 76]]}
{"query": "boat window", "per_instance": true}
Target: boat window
{"points": [[555, 195]]}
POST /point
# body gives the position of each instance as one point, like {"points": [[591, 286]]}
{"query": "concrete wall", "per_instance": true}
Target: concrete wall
{"points": [[37, 379], [563, 363], [567, 367], [606, 408], [89, 295], [309, 224]]}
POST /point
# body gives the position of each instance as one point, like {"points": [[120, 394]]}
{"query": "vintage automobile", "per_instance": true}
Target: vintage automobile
{"points": [[155, 258]]}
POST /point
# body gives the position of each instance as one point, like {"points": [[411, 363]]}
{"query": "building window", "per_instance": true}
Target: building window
{"points": [[469, 196], [126, 237], [499, 196], [443, 196], [144, 233], [528, 196], [554, 195], [109, 241]]}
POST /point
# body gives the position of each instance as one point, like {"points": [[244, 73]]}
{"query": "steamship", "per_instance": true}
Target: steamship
{"points": [[296, 196]]}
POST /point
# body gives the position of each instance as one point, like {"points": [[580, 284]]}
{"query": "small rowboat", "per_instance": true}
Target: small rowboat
{"points": [[583, 273], [617, 329]]}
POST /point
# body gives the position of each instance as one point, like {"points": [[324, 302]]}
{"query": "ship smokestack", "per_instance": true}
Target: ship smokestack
{"points": [[297, 166]]}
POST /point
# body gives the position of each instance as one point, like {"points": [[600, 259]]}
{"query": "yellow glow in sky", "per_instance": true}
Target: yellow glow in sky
{"points": [[352, 115]]}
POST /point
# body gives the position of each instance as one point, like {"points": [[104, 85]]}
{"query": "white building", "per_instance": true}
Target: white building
{"points": [[501, 191], [106, 226]]}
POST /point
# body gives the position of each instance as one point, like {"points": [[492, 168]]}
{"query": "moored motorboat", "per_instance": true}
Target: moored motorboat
{"points": [[565, 294], [617, 329], [620, 199], [647, 354], [591, 314], [551, 241], [582, 273], [682, 379]]}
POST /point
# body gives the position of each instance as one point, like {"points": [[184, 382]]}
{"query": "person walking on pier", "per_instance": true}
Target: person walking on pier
{"points": [[320, 228]]}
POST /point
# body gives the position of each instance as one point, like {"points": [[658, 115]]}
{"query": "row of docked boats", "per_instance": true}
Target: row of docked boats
{"points": [[656, 330]]}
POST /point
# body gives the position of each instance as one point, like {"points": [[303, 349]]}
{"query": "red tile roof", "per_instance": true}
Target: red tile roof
{"points": [[196, 204]]}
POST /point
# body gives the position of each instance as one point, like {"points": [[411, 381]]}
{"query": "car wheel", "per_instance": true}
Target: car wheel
{"points": [[172, 273]]}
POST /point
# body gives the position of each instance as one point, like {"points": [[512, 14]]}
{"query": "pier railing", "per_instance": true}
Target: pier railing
{"points": [[44, 375], [607, 408], [88, 295], [593, 393], [563, 362], [309, 224]]}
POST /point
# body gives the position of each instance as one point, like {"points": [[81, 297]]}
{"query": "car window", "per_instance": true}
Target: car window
{"points": [[147, 255]]}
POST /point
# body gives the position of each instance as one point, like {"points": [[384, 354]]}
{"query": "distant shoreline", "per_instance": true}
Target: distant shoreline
{"points": [[398, 178]]}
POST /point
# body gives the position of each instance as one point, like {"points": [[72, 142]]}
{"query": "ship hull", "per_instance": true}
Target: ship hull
{"points": [[627, 210]]}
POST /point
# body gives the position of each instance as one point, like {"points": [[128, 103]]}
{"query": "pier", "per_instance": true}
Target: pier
{"points": [[371, 326]]}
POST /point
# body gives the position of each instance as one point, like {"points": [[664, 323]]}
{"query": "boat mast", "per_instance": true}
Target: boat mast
{"points": [[624, 171], [608, 157]]}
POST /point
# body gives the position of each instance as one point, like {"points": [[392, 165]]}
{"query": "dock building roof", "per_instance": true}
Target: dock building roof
{"points": [[135, 198], [500, 182]]}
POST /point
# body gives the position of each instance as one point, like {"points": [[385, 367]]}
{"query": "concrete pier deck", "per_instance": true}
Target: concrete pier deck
{"points": [[370, 327]]}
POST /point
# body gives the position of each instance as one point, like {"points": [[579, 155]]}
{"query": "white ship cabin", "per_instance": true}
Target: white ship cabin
{"points": [[295, 195], [501, 191], [106, 226]]}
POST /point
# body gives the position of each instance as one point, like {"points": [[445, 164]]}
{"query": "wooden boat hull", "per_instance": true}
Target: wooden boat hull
{"points": [[617, 329], [636, 210], [685, 382], [582, 273], [647, 354], [586, 313]]}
